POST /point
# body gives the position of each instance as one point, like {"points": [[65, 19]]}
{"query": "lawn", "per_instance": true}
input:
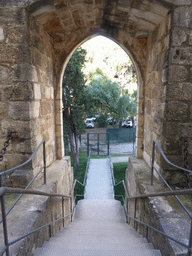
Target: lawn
{"points": [[79, 173], [119, 170]]}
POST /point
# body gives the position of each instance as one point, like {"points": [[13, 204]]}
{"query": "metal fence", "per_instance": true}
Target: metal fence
{"points": [[117, 141]]}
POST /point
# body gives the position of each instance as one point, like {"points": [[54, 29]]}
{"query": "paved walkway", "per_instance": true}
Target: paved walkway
{"points": [[99, 184], [99, 227]]}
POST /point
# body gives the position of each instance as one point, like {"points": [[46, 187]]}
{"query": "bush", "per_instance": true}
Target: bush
{"points": [[102, 120]]}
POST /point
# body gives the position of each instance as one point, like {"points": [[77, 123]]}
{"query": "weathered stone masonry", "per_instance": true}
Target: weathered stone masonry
{"points": [[37, 39]]}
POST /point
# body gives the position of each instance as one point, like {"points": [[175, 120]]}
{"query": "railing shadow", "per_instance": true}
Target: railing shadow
{"points": [[168, 193]]}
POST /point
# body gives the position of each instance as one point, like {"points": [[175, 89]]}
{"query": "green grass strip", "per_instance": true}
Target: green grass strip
{"points": [[119, 170], [79, 173]]}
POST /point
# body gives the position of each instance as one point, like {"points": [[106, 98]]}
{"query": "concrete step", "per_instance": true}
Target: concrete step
{"points": [[99, 228], [96, 252], [107, 233], [95, 242]]}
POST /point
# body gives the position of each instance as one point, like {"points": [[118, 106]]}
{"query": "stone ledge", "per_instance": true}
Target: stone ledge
{"points": [[160, 212], [34, 211]]}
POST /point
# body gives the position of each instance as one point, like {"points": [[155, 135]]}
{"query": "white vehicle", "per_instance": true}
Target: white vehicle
{"points": [[89, 123], [127, 124]]}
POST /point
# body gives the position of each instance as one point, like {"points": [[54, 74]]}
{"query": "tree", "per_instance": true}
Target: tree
{"points": [[108, 99], [74, 101]]}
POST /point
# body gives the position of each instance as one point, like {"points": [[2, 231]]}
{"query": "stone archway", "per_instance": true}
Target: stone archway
{"points": [[139, 151], [37, 38]]}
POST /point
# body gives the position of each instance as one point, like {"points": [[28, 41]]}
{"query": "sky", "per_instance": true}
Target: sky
{"points": [[106, 55]]}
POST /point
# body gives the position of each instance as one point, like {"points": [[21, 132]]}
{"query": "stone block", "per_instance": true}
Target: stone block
{"points": [[15, 159], [2, 37], [180, 2], [181, 56], [152, 78], [16, 15], [34, 109], [164, 77], [166, 43], [173, 147], [162, 29], [19, 111], [59, 118], [191, 112], [46, 108], [179, 36], [24, 72], [24, 147], [182, 16], [38, 43], [17, 34], [177, 111], [14, 53], [37, 91], [4, 74], [3, 108], [178, 74], [22, 128], [19, 91], [21, 178], [180, 91]]}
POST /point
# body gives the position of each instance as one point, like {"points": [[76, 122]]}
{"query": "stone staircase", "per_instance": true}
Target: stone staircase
{"points": [[98, 229]]}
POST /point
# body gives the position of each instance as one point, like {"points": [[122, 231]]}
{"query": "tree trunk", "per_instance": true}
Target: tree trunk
{"points": [[74, 148]]}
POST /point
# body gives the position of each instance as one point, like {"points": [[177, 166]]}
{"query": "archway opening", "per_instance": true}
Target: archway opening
{"points": [[110, 83]]}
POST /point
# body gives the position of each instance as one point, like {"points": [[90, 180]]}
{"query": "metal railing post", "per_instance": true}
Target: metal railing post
{"points": [[63, 211], [0, 180], [190, 241], [44, 162], [152, 165], [49, 230], [108, 146], [71, 206], [97, 144], [135, 211], [88, 144], [127, 218], [4, 225], [147, 231]]}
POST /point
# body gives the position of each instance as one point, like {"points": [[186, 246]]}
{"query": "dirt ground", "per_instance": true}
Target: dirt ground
{"points": [[118, 148]]}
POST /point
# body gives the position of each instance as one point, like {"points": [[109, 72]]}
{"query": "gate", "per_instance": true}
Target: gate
{"points": [[118, 141]]}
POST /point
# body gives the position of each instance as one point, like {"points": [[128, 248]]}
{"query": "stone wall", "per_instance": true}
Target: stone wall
{"points": [[179, 90], [33, 211], [43, 125], [156, 87], [162, 213], [38, 38], [17, 77], [27, 104]]}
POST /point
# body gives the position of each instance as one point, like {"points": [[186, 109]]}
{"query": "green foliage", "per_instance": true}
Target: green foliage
{"points": [[74, 101], [79, 173], [119, 170], [110, 99], [73, 93], [102, 120]]}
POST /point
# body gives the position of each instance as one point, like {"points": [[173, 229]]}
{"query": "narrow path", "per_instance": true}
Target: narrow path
{"points": [[99, 184], [99, 227]]}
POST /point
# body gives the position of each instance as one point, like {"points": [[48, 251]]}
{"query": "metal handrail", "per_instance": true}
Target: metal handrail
{"points": [[165, 182], [21, 165], [113, 178], [26, 162], [7, 190], [158, 194], [82, 184]]}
